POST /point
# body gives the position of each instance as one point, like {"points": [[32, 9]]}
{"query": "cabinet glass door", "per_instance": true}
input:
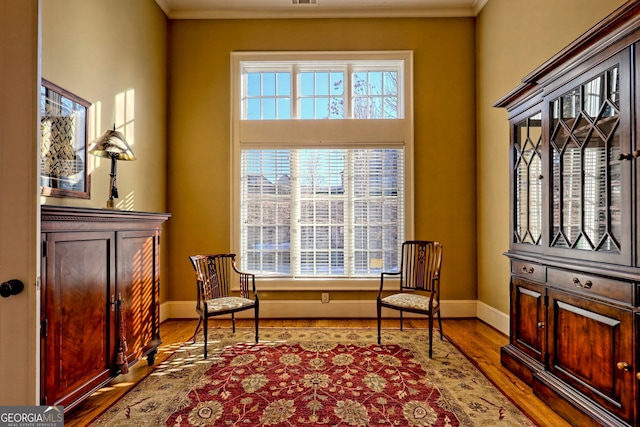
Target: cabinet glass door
{"points": [[527, 180], [585, 144]]}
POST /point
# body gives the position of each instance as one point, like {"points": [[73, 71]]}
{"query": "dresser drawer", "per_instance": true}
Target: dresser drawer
{"points": [[615, 290], [528, 270]]}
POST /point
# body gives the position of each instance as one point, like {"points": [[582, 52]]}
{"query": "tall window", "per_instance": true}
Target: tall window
{"points": [[320, 175]]}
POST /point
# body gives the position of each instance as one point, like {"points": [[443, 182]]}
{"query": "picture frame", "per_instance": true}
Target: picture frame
{"points": [[64, 143]]}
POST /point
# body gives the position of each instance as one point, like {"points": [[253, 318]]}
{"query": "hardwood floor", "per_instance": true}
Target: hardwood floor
{"points": [[480, 342]]}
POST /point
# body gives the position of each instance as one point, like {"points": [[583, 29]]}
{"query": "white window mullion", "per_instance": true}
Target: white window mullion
{"points": [[295, 85], [349, 244], [295, 213], [348, 94], [243, 208]]}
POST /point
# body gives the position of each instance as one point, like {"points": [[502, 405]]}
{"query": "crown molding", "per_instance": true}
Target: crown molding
{"points": [[173, 11]]}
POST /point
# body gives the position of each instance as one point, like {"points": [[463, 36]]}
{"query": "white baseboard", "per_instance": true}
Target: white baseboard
{"points": [[277, 309], [493, 317]]}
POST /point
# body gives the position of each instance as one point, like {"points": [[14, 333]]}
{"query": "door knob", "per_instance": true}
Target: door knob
{"points": [[11, 287], [623, 366]]}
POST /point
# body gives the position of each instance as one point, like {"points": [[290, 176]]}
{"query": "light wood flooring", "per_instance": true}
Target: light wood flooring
{"points": [[480, 342]]}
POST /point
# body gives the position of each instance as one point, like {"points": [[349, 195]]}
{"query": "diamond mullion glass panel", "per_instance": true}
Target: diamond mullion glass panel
{"points": [[585, 144], [571, 192], [559, 136], [520, 184], [527, 182], [615, 191], [535, 179], [595, 192]]}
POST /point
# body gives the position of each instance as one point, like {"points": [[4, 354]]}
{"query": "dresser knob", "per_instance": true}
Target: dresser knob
{"points": [[541, 325], [623, 366], [577, 284]]}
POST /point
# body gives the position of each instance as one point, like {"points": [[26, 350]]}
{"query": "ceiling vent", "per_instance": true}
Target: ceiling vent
{"points": [[307, 2]]}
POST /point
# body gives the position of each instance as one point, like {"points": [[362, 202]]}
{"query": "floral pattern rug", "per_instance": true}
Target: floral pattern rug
{"points": [[310, 377]]}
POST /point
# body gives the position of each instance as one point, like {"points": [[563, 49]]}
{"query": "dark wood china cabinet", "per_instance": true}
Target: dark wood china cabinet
{"points": [[100, 285], [575, 222]]}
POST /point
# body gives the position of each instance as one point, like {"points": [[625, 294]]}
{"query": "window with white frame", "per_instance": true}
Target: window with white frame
{"points": [[321, 172]]}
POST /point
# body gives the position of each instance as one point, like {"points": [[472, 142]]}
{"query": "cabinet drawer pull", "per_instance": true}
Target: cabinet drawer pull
{"points": [[527, 270], [625, 156], [577, 284], [623, 366], [541, 325]]}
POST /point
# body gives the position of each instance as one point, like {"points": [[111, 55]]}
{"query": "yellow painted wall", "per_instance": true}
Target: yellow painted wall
{"points": [[104, 51], [199, 135], [107, 51], [513, 38]]}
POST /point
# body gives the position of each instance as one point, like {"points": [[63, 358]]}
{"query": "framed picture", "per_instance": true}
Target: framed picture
{"points": [[64, 143]]}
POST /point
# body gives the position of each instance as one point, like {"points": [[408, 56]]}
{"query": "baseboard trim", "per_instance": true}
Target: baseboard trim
{"points": [[494, 317], [275, 309]]}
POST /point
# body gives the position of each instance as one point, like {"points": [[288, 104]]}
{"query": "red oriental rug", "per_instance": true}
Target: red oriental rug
{"points": [[311, 377]]}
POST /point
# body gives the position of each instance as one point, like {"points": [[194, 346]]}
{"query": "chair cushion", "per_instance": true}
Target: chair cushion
{"points": [[410, 301], [228, 303]]}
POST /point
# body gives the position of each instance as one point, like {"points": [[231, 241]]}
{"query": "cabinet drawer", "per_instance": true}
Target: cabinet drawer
{"points": [[615, 290], [528, 270]]}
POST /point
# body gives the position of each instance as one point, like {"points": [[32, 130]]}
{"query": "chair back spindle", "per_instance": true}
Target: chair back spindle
{"points": [[421, 262]]}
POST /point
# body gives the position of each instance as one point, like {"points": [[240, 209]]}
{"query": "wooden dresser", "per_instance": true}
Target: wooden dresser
{"points": [[100, 280], [575, 226]]}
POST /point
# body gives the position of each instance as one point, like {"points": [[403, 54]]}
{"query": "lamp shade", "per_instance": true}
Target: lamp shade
{"points": [[112, 144]]}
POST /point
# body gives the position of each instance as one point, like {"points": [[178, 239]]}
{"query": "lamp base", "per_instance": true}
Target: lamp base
{"points": [[111, 204]]}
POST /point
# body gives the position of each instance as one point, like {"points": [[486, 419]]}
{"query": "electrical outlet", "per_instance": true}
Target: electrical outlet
{"points": [[325, 297]]}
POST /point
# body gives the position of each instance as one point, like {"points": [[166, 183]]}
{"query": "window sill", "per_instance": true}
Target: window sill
{"points": [[319, 284]]}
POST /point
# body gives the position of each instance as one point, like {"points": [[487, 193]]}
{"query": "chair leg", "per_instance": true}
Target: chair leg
{"points": [[206, 334], [379, 316], [440, 324], [400, 319], [197, 327], [257, 320], [233, 323], [430, 335]]}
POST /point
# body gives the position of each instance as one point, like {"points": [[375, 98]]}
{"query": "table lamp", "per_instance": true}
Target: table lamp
{"points": [[113, 145]]}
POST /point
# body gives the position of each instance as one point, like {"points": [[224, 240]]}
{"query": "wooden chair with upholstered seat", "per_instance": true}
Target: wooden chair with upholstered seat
{"points": [[215, 276], [419, 278]]}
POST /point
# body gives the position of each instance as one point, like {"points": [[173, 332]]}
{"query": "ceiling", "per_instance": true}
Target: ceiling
{"points": [[260, 9]]}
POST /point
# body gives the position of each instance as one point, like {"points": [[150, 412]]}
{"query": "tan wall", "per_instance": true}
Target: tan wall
{"points": [[99, 50], [19, 321], [199, 151], [513, 38]]}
